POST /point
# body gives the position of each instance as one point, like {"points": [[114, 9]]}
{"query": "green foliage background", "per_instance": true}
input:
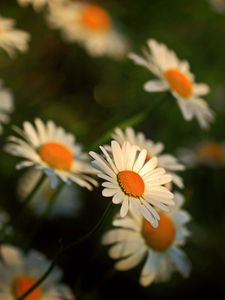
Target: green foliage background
{"points": [[89, 97]]}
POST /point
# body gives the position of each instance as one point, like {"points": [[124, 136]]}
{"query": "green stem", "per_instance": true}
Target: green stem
{"points": [[64, 249], [26, 201], [53, 199], [131, 121]]}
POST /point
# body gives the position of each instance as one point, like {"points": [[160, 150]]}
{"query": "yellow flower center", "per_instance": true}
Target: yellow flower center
{"points": [[131, 183], [162, 237], [96, 18], [211, 151], [24, 283], [56, 155], [179, 82]]}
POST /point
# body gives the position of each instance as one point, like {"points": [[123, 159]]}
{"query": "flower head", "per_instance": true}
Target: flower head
{"points": [[19, 272], [6, 104], [89, 24], [12, 39], [166, 161], [134, 239], [133, 182], [218, 5], [49, 148], [174, 75], [209, 153]]}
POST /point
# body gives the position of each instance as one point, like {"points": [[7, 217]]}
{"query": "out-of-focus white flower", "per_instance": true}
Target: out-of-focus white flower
{"points": [[209, 153], [39, 4], [134, 239], [12, 39], [218, 5], [50, 149], [6, 104], [133, 182], [174, 75], [166, 161], [89, 24], [67, 202], [19, 272]]}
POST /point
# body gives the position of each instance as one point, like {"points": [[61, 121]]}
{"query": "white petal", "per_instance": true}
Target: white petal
{"points": [[155, 86]]}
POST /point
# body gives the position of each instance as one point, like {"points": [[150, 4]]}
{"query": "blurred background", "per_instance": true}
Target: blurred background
{"points": [[89, 96]]}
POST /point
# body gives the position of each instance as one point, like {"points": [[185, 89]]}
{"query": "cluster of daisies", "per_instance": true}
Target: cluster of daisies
{"points": [[136, 175], [150, 226]]}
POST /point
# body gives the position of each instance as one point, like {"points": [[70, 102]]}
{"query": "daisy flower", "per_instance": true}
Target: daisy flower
{"points": [[6, 104], [218, 5], [19, 272], [134, 239], [133, 182], [174, 75], [66, 204], [89, 24], [166, 161], [50, 149], [209, 153], [12, 39]]}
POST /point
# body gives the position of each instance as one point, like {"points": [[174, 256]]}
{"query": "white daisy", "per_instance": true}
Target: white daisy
{"points": [[19, 271], [209, 153], [132, 181], [89, 24], [12, 39], [134, 239], [6, 104], [174, 75], [166, 161], [67, 202], [50, 149], [218, 5]]}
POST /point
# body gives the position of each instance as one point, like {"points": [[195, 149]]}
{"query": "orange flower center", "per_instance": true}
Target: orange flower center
{"points": [[131, 183], [162, 237], [211, 151], [96, 18], [56, 155], [148, 157], [179, 82], [24, 283]]}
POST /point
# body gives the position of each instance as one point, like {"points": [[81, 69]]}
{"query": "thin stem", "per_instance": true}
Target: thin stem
{"points": [[34, 191], [26, 201], [130, 121], [53, 199], [64, 249]]}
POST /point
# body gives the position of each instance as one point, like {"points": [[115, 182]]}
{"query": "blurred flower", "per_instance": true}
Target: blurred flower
{"points": [[132, 181], [12, 39], [166, 161], [50, 149], [19, 271], [6, 104], [218, 5], [209, 153], [66, 203], [174, 75], [135, 238], [89, 24], [4, 219], [38, 4]]}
